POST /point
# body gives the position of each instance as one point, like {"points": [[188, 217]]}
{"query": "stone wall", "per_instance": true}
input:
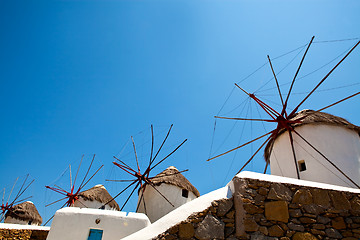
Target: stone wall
{"points": [[270, 210], [23, 234]]}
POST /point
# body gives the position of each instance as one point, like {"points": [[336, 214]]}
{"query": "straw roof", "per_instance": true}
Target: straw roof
{"points": [[25, 211], [315, 118], [100, 194], [172, 176]]}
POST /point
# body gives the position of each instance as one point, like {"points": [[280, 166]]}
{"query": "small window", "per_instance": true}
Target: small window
{"points": [[185, 193], [302, 165], [95, 234]]}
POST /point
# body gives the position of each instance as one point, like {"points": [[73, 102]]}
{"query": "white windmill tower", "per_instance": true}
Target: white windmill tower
{"points": [[175, 190], [310, 145], [326, 148]]}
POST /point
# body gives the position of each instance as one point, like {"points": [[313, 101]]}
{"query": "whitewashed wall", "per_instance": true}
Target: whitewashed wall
{"points": [[75, 223], [157, 206], [338, 144]]}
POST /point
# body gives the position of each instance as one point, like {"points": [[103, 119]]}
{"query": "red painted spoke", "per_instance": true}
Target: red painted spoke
{"points": [[88, 171], [125, 169], [152, 144], [56, 201], [168, 155], [321, 109], [14, 186], [252, 157], [266, 166], [327, 75], [247, 119], [124, 164], [77, 172], [293, 81], [151, 184], [137, 161], [142, 198], [120, 193], [162, 144], [277, 83], [81, 186], [110, 180], [241, 145], [294, 154], [129, 196]]}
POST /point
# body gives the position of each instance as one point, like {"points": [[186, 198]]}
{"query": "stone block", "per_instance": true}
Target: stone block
{"points": [[276, 231], [279, 191], [339, 201], [320, 197], [186, 230], [302, 196], [333, 233], [338, 223], [224, 205], [303, 236], [277, 211], [210, 228]]}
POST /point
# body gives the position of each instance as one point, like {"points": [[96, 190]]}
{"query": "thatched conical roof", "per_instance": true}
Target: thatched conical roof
{"points": [[315, 118], [25, 211], [172, 176], [100, 194]]}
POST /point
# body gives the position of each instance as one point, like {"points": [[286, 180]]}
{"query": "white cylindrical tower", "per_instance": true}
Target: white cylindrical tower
{"points": [[171, 184], [96, 197], [327, 149]]}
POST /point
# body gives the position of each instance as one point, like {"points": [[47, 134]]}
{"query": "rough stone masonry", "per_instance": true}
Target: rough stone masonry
{"points": [[266, 210]]}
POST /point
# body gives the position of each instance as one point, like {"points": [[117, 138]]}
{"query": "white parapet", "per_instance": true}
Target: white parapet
{"points": [[77, 223]]}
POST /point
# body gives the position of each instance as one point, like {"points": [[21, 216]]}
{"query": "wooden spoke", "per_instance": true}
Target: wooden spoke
{"points": [[137, 161], [294, 154], [162, 144], [168, 155], [129, 196], [246, 119], [316, 150], [277, 83], [119, 193], [252, 157], [152, 185], [77, 172], [293, 81], [240, 146], [327, 75]]}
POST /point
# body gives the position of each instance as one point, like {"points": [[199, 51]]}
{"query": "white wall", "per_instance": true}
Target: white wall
{"points": [[340, 145], [75, 223], [157, 206]]}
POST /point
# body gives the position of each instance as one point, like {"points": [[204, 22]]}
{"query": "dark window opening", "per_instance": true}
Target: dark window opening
{"points": [[185, 193], [102, 207], [30, 222], [95, 234], [302, 165]]}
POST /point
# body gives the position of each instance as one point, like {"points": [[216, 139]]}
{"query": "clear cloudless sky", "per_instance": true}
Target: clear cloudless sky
{"points": [[81, 77]]}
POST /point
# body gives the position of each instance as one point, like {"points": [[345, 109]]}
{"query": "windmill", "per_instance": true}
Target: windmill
{"points": [[287, 126], [7, 205], [141, 179], [72, 195]]}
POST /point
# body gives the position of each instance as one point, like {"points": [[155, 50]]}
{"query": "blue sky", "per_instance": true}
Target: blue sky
{"points": [[81, 77]]}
